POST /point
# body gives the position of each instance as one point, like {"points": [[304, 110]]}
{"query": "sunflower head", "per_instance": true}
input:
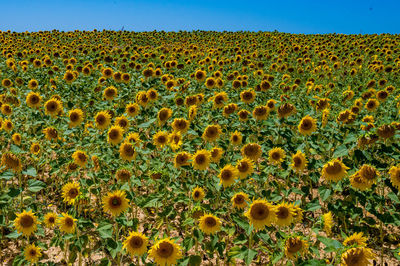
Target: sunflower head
{"points": [[53, 107], [201, 159], [160, 139], [11, 161], [228, 175], [284, 214], [110, 93], [334, 170], [132, 109], [261, 213], [127, 151], [198, 194], [115, 202], [115, 135], [245, 167], [80, 158], [50, 219], [181, 159], [307, 125], [209, 224], [299, 161], [70, 192], [212, 133], [75, 117], [236, 138], [216, 154], [180, 125], [32, 253], [33, 100], [136, 243], [276, 156], [357, 256], [239, 200], [165, 252], [252, 151], [295, 246], [26, 223], [102, 119], [356, 239], [67, 223]]}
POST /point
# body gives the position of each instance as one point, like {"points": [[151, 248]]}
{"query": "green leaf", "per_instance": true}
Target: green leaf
{"points": [[147, 124], [313, 206], [194, 260], [393, 197], [7, 175], [31, 171], [331, 244], [14, 235], [35, 185], [105, 230], [341, 151], [324, 193], [251, 253]]}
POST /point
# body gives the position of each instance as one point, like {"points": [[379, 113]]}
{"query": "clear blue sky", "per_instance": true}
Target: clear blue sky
{"points": [[302, 16]]}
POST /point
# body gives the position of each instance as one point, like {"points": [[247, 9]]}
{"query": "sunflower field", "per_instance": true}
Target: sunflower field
{"points": [[199, 148]]}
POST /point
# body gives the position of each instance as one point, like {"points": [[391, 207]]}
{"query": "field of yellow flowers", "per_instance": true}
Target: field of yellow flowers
{"points": [[199, 148]]}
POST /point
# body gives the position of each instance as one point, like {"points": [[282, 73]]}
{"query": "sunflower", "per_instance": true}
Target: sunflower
{"points": [[50, 219], [276, 156], [11, 161], [357, 181], [216, 154], [286, 110], [200, 75], [53, 107], [219, 99], [127, 151], [175, 140], [212, 133], [236, 138], [102, 119], [260, 112], [198, 194], [115, 135], [110, 93], [243, 115], [50, 133], [394, 173], [123, 175], [160, 139], [180, 125], [163, 115], [209, 224], [284, 214], [356, 239], [70, 192], [80, 158], [334, 170], [245, 167], [295, 246], [75, 117], [359, 256], [369, 173], [67, 223], [192, 112], [201, 159], [181, 159], [299, 162], [122, 121], [7, 125], [16, 137], [115, 202], [165, 252], [252, 151], [327, 220], [136, 243], [248, 96], [6, 109], [33, 84], [298, 213], [260, 214], [228, 175], [133, 138], [371, 105], [239, 200], [26, 223], [307, 125], [33, 99], [32, 253], [35, 148], [132, 109]]}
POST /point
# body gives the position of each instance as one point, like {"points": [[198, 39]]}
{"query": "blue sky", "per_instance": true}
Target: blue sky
{"points": [[303, 16]]}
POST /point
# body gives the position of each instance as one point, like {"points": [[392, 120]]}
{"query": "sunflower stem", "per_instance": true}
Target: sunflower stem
{"points": [[20, 188]]}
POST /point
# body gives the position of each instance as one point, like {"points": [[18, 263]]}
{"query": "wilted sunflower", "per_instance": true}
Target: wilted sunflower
{"points": [[181, 159], [239, 200], [369, 173], [50, 219], [327, 220], [252, 151], [180, 125], [160, 139], [245, 167], [359, 256], [115, 135], [394, 173], [132, 109], [70, 192], [136, 243], [260, 112], [115, 202], [284, 214], [201, 159], [35, 148], [123, 175], [165, 252], [212, 133], [53, 107], [236, 138], [307, 125], [334, 170], [198, 194], [261, 213], [295, 246], [102, 120], [33, 99], [50, 133], [357, 181], [228, 175], [163, 115], [26, 223], [11, 161], [127, 151], [299, 161], [276, 156], [356, 239], [75, 117], [286, 110], [67, 223], [209, 224], [110, 93], [32, 253], [80, 158], [216, 154]]}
